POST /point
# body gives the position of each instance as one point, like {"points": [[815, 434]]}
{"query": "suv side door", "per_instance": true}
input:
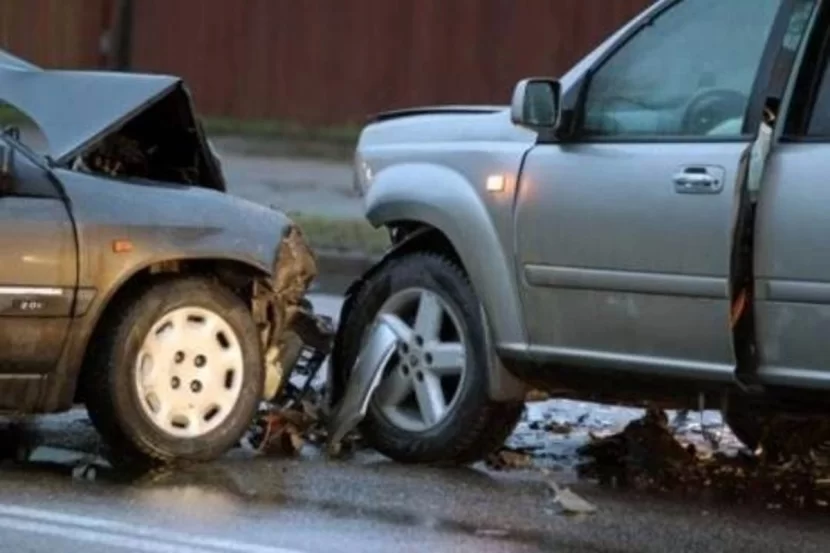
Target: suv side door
{"points": [[624, 232], [792, 265], [38, 276]]}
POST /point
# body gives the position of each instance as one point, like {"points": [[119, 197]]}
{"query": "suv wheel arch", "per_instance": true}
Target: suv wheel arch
{"points": [[411, 237], [451, 203]]}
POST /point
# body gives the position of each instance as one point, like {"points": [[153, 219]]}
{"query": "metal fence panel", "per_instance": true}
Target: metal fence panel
{"points": [[335, 61], [55, 33]]}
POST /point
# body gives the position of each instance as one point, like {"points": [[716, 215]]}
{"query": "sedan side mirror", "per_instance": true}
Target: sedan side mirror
{"points": [[536, 104]]}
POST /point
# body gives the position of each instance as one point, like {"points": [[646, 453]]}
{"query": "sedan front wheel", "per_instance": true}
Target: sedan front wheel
{"points": [[176, 373]]}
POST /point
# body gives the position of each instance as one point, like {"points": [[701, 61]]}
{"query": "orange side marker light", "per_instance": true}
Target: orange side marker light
{"points": [[122, 246]]}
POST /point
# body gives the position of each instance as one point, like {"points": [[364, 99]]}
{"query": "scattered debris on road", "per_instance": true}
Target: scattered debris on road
{"points": [[553, 427], [283, 431], [647, 455]]}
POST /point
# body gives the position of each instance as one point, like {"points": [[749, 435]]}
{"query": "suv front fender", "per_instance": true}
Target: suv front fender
{"points": [[445, 200]]}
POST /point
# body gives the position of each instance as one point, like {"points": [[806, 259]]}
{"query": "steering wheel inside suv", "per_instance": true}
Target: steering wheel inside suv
{"points": [[711, 108]]}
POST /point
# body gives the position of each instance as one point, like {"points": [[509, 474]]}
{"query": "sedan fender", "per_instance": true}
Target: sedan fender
{"points": [[125, 228]]}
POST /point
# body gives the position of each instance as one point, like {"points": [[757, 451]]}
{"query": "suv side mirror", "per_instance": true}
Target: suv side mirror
{"points": [[536, 103]]}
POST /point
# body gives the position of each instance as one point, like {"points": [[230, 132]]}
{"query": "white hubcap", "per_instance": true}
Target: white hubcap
{"points": [[425, 380], [188, 372]]}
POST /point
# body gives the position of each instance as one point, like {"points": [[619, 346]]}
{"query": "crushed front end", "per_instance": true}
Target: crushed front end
{"points": [[296, 342], [293, 337]]}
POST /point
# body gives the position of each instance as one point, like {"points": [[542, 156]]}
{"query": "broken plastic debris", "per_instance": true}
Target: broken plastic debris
{"points": [[285, 430], [84, 471], [364, 380], [791, 472]]}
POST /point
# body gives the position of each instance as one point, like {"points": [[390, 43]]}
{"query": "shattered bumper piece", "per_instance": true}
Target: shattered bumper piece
{"points": [[288, 326], [364, 380]]}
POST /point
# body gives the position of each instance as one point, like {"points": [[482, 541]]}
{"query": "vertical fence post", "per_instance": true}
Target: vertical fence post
{"points": [[121, 36]]}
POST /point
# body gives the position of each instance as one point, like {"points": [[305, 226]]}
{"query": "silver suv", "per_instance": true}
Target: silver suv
{"points": [[649, 227]]}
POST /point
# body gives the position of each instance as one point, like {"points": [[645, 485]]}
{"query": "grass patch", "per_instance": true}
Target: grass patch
{"points": [[279, 138], [281, 130], [346, 235], [12, 116]]}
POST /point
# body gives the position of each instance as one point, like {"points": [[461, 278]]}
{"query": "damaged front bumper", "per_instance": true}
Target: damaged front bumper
{"points": [[291, 334], [365, 378], [295, 339]]}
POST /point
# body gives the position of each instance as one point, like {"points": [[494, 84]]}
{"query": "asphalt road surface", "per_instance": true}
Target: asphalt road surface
{"points": [[364, 504]]}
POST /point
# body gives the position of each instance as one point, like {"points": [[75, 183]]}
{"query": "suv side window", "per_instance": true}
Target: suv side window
{"points": [[819, 124], [688, 73]]}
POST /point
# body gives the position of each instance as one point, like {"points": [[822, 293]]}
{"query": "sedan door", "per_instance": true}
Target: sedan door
{"points": [[38, 274], [624, 234]]}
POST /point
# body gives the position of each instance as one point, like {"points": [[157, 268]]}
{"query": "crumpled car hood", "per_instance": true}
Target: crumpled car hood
{"points": [[77, 109]]}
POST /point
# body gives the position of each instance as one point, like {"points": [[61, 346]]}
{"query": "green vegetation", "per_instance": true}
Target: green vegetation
{"points": [[280, 137], [11, 116], [348, 235], [280, 130]]}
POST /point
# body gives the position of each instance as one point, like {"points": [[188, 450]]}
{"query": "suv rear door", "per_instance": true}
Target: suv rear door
{"points": [[38, 275], [624, 234], [792, 264]]}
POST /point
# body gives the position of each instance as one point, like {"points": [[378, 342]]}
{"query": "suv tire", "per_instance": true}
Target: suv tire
{"points": [[165, 329], [473, 425]]}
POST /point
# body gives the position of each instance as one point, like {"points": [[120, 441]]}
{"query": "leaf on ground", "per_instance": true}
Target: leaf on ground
{"points": [[537, 395], [570, 502], [506, 458]]}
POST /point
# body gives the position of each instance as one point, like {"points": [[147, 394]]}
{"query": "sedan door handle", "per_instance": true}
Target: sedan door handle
{"points": [[697, 181]]}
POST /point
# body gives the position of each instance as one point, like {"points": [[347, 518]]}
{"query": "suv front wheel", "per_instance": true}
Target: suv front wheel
{"points": [[432, 405]]}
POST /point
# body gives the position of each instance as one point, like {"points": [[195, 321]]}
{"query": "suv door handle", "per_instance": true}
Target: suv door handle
{"points": [[698, 180]]}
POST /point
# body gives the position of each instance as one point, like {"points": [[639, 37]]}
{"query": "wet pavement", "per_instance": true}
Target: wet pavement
{"points": [[309, 186], [363, 504]]}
